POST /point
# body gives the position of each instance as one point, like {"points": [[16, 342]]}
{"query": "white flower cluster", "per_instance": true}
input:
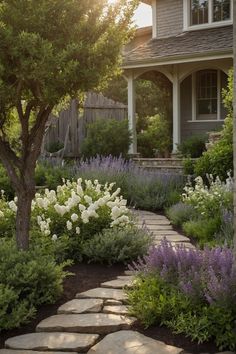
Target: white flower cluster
{"points": [[79, 203], [207, 198]]}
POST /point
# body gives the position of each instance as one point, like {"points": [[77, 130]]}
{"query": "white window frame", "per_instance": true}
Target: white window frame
{"points": [[194, 100], [211, 23]]}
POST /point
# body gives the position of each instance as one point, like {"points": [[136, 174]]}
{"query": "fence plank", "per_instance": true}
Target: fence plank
{"points": [[70, 127]]}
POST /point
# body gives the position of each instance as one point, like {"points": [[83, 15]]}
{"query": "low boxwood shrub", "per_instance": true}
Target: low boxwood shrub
{"points": [[193, 146], [203, 230], [180, 213], [117, 245], [191, 291], [27, 280]]}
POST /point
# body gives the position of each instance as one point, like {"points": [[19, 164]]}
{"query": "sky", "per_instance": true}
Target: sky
{"points": [[143, 15]]}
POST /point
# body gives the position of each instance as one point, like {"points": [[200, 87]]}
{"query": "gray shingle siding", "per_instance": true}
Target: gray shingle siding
{"points": [[169, 18]]}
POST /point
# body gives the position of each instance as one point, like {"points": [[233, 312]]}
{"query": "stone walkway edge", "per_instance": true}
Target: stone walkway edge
{"points": [[97, 321]]}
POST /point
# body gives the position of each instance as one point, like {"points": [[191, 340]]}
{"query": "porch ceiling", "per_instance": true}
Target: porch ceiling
{"points": [[187, 44]]}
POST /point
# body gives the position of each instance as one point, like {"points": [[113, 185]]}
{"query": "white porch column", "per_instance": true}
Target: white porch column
{"points": [[132, 114], [176, 110]]}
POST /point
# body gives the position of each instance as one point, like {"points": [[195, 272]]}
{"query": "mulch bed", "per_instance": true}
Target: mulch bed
{"points": [[88, 276]]}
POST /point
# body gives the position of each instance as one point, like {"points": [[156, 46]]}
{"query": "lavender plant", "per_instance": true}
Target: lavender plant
{"points": [[185, 289]]}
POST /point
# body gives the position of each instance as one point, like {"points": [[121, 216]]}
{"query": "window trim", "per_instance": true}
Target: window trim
{"points": [[186, 20], [194, 99]]}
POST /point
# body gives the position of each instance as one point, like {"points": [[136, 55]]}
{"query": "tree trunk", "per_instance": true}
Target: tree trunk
{"points": [[234, 134], [23, 217]]}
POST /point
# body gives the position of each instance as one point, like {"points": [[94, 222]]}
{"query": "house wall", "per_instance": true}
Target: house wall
{"points": [[193, 128], [169, 17]]}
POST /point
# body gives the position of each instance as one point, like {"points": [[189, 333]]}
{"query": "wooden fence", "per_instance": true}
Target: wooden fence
{"points": [[69, 128]]}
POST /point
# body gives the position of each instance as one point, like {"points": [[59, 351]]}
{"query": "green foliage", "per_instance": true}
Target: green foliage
{"points": [[106, 137], [27, 280], [51, 176], [152, 97], [5, 184], [156, 139], [193, 147], [218, 160], [154, 301], [180, 213], [203, 230], [189, 165], [55, 146], [117, 245]]}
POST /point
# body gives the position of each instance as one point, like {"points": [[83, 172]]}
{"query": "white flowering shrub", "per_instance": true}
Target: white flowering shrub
{"points": [[210, 199], [77, 208]]}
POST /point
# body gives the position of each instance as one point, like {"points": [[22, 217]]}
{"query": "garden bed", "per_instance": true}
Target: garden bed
{"points": [[88, 276]]}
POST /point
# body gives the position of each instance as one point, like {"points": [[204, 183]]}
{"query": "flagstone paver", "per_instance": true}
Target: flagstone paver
{"points": [[99, 323], [117, 284], [76, 342], [81, 306], [130, 342], [118, 310], [112, 302], [160, 228], [103, 293]]}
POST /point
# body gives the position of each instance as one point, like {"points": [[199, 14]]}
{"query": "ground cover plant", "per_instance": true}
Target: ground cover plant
{"points": [[206, 211], [191, 291]]}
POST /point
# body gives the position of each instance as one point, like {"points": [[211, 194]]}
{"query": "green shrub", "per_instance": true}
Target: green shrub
{"points": [[189, 166], [106, 137], [203, 230], [193, 146], [27, 280], [180, 213], [156, 140], [55, 146], [117, 245]]}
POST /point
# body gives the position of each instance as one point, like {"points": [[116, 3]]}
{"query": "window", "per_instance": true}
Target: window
{"points": [[199, 12], [206, 94], [205, 13], [221, 10], [207, 102]]}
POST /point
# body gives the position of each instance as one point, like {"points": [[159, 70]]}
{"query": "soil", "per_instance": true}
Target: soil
{"points": [[88, 276]]}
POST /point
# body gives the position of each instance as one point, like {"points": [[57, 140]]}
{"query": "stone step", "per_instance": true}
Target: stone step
{"points": [[126, 277], [164, 232], [117, 284], [153, 222], [111, 302], [103, 293], [171, 238], [159, 227], [130, 342], [75, 342], [117, 310], [77, 306], [99, 323]]}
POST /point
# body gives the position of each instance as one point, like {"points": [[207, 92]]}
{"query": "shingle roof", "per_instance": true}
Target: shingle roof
{"points": [[206, 41]]}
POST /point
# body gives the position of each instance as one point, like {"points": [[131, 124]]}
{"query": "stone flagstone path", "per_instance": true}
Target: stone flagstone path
{"points": [[97, 321]]}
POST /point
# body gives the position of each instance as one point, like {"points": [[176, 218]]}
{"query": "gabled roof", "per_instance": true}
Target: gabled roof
{"points": [[187, 44]]}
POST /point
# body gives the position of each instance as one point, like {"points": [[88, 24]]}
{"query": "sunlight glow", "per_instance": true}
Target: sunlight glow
{"points": [[142, 16]]}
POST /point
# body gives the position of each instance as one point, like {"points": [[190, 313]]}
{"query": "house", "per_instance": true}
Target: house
{"points": [[191, 44]]}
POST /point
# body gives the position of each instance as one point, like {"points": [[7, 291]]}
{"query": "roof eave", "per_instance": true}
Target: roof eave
{"points": [[177, 59]]}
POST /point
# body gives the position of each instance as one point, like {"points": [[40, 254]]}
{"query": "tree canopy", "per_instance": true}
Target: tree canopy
{"points": [[50, 50]]}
